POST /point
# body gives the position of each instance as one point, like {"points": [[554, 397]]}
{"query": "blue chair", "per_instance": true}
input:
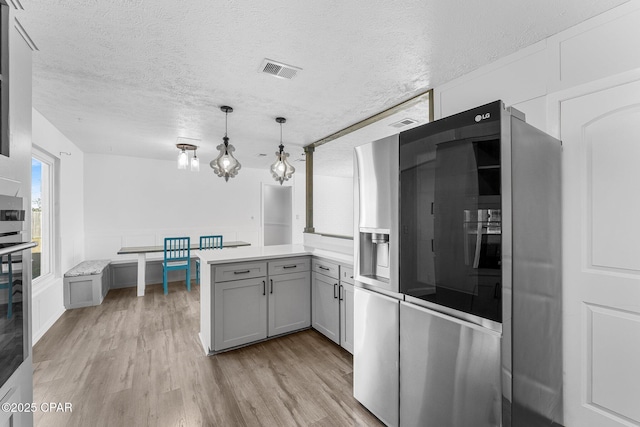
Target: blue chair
{"points": [[207, 242], [177, 256], [7, 272]]}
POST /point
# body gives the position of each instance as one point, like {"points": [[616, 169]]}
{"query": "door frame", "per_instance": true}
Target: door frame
{"points": [[263, 204]]}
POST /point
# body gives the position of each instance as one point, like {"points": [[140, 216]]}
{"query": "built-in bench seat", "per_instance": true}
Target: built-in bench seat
{"points": [[87, 283]]}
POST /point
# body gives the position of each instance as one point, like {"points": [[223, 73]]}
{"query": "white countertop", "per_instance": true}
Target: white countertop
{"points": [[256, 253]]}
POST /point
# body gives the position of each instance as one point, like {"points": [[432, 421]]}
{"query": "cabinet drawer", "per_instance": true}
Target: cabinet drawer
{"points": [[327, 268], [289, 265], [346, 274], [246, 270]]}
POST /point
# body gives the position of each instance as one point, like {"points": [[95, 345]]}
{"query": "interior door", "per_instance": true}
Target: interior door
{"points": [[277, 215], [601, 274]]}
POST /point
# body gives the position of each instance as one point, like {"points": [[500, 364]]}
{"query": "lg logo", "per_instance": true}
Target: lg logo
{"points": [[482, 116]]}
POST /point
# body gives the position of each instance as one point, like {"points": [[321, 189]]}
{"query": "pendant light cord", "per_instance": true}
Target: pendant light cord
{"points": [[226, 138]]}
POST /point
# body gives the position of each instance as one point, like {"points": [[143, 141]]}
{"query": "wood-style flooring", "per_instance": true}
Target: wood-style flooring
{"points": [[138, 361]]}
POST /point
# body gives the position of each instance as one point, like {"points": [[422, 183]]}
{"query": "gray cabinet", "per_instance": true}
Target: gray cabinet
{"points": [[256, 300], [326, 306], [289, 296], [346, 316], [240, 312], [332, 302]]}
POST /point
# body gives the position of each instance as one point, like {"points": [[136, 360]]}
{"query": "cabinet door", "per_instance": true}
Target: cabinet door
{"points": [[240, 314], [325, 306], [346, 316], [289, 302]]}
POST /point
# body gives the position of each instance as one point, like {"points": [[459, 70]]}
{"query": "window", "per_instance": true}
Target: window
{"points": [[42, 219]]}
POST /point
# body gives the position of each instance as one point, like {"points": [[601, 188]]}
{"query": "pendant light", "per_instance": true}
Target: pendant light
{"points": [[195, 162], [281, 170], [183, 156], [225, 164]]}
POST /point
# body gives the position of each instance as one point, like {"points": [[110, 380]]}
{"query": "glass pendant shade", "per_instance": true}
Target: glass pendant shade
{"points": [[225, 165], [183, 159], [281, 170], [195, 163]]}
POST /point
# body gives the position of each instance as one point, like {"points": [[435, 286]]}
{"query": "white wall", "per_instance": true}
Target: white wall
{"points": [[134, 202], [48, 302], [333, 205]]}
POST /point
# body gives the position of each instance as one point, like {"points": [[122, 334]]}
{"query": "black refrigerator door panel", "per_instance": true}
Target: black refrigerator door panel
{"points": [[450, 213]]}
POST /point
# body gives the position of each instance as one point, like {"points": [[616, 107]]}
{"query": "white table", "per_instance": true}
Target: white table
{"points": [[142, 252]]}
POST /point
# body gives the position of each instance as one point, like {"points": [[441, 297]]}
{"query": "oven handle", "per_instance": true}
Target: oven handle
{"points": [[17, 248]]}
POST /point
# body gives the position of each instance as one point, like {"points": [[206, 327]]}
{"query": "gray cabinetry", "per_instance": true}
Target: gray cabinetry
{"points": [[240, 312], [289, 296], [326, 306], [346, 316], [332, 302], [256, 300]]}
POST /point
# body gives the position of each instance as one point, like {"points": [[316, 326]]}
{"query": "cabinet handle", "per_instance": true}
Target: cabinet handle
{"points": [[335, 287], [242, 272], [271, 286], [323, 268], [290, 266], [340, 291], [264, 287]]}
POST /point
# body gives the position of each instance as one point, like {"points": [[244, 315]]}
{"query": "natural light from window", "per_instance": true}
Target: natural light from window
{"points": [[41, 216]]}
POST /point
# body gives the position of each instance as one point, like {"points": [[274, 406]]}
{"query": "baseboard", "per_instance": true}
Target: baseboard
{"points": [[52, 320]]}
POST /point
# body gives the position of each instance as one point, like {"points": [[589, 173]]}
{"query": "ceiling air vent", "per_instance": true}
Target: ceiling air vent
{"points": [[278, 69], [403, 123]]}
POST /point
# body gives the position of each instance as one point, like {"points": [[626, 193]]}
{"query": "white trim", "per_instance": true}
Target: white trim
{"points": [[25, 36], [47, 286], [555, 99], [45, 328], [53, 246], [48, 282]]}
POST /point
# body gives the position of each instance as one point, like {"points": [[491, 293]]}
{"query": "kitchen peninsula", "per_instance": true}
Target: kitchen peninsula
{"points": [[253, 293]]}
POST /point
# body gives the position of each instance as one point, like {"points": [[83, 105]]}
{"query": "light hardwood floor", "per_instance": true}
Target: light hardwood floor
{"points": [[138, 362]]}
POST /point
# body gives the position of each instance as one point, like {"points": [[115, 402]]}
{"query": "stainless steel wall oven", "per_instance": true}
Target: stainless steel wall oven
{"points": [[14, 347]]}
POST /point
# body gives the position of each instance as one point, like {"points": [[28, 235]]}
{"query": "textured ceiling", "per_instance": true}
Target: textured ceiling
{"points": [[130, 76]]}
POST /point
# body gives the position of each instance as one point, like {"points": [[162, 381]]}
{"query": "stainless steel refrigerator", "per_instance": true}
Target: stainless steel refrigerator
{"points": [[479, 264], [376, 297]]}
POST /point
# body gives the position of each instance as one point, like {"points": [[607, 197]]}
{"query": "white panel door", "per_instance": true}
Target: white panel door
{"points": [[601, 232]]}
